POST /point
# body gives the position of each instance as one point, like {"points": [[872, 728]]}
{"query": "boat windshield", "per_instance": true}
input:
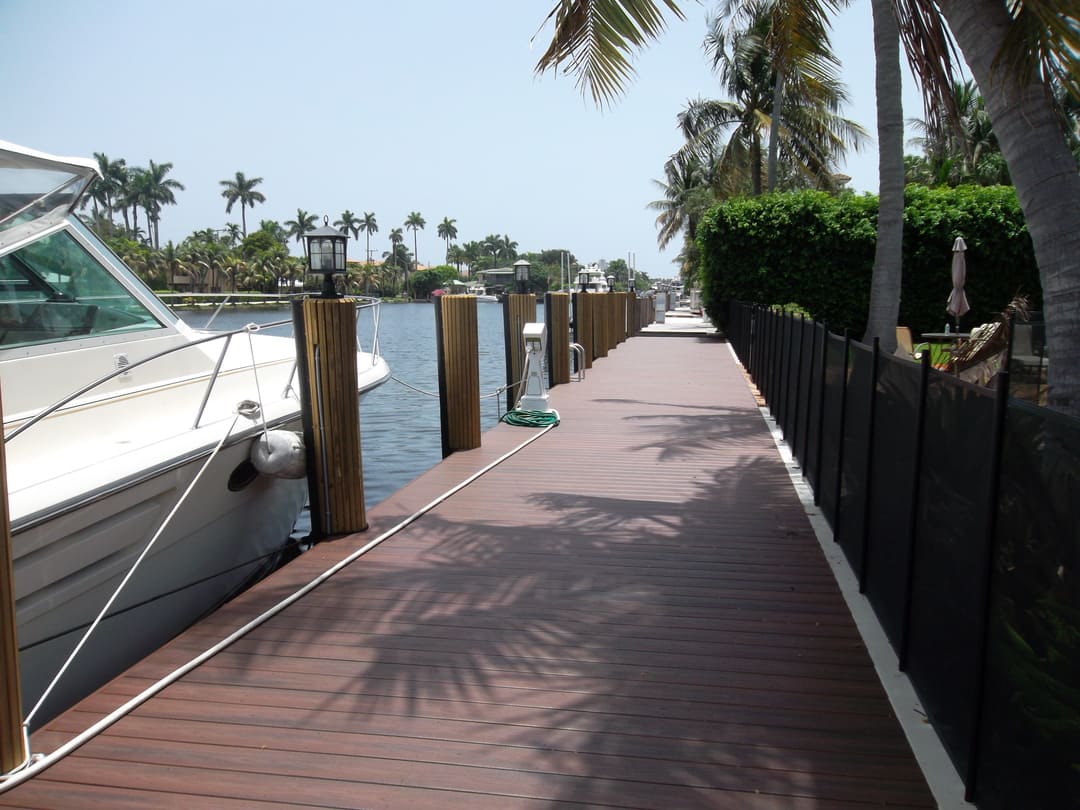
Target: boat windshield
{"points": [[52, 289], [37, 190]]}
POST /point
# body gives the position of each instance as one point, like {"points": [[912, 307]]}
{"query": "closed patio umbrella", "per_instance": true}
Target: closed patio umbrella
{"points": [[957, 304]]}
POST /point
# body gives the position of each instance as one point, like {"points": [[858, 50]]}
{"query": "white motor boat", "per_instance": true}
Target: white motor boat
{"points": [[595, 280], [122, 426], [482, 293]]}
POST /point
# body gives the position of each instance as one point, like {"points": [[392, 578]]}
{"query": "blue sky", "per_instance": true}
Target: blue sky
{"points": [[373, 105]]}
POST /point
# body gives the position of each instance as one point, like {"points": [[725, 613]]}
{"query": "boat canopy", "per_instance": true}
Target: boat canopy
{"points": [[38, 190]]}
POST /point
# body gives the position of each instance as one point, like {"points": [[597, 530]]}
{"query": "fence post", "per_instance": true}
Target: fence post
{"points": [[1001, 408], [12, 740]]}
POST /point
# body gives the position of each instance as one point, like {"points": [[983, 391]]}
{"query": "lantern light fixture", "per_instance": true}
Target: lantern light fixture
{"points": [[326, 255]]}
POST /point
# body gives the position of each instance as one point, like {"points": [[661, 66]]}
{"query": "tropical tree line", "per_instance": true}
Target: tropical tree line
{"points": [[233, 259], [1024, 58]]}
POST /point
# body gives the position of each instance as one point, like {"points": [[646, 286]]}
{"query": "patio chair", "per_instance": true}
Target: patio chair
{"points": [[905, 347]]}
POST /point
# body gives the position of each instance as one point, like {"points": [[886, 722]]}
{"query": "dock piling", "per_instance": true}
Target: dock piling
{"points": [[325, 331], [518, 310], [457, 346]]}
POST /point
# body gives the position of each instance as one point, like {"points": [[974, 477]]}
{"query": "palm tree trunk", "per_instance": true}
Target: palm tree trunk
{"points": [[888, 253], [774, 129], [755, 165], [1047, 183]]}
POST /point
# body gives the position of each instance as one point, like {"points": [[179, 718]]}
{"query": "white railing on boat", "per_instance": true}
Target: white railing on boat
{"points": [[371, 304]]}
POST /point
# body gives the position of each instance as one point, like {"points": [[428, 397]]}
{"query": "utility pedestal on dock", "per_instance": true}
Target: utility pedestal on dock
{"points": [[326, 354], [12, 742], [459, 372]]}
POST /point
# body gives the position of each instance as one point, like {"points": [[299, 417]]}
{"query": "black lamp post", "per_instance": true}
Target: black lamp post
{"points": [[583, 280], [326, 255], [610, 283], [521, 273]]}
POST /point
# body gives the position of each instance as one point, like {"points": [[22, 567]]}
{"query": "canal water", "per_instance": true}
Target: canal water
{"points": [[399, 425]]}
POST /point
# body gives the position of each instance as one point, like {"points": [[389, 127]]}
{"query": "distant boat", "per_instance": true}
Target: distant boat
{"points": [[596, 281], [476, 288], [113, 408]]}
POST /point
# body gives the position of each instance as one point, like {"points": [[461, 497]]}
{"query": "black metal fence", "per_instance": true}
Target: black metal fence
{"points": [[958, 508]]}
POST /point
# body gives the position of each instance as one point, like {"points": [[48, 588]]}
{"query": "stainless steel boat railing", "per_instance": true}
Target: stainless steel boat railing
{"points": [[362, 304]]}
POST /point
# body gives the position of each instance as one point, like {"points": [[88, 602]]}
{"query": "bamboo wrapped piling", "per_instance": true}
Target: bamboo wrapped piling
{"points": [[557, 315], [326, 348], [518, 310], [459, 372]]}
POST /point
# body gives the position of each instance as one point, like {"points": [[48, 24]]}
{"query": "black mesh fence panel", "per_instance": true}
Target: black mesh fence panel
{"points": [[852, 507], [805, 357], [1030, 741], [927, 529], [831, 428], [951, 557], [889, 519], [815, 382]]}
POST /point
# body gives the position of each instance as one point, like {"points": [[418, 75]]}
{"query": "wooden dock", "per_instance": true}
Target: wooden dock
{"points": [[631, 612]]}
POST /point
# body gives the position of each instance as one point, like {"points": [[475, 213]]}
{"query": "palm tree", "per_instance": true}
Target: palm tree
{"points": [[796, 42], [508, 247], [303, 223], [456, 255], [275, 229], [447, 231], [368, 226], [242, 189], [106, 189], [414, 222], [965, 150], [1017, 59], [814, 135], [492, 244], [397, 236], [687, 195], [349, 223], [157, 190]]}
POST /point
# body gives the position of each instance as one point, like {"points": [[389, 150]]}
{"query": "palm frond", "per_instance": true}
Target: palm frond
{"points": [[593, 40]]}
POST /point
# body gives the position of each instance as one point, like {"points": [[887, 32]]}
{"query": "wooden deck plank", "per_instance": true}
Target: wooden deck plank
{"points": [[631, 612]]}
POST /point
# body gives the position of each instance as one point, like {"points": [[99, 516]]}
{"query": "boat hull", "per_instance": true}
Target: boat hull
{"points": [[67, 568]]}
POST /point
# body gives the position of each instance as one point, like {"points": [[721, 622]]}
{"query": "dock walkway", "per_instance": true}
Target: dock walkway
{"points": [[630, 612]]}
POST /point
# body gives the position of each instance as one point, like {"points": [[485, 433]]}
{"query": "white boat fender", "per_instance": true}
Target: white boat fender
{"points": [[279, 453]]}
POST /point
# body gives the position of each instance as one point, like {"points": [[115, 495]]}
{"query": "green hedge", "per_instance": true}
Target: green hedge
{"points": [[817, 251]]}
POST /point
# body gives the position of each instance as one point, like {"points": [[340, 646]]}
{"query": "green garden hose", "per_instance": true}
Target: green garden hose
{"points": [[522, 418]]}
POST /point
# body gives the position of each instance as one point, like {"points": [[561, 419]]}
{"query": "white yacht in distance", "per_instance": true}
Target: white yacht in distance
{"points": [[596, 281], [122, 426]]}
